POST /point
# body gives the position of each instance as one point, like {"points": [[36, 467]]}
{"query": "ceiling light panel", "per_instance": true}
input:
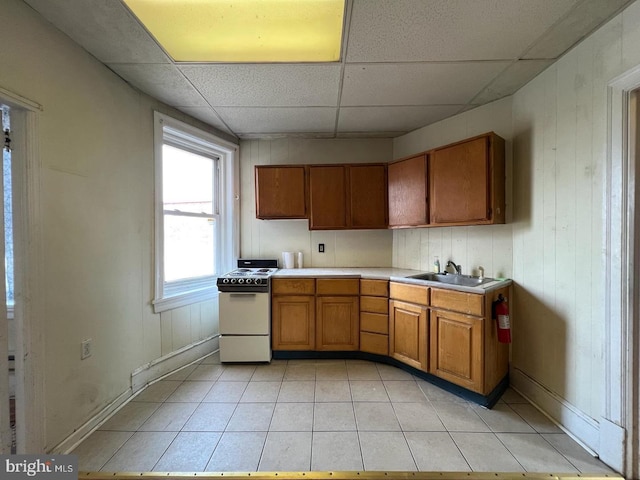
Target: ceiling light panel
{"points": [[244, 31]]}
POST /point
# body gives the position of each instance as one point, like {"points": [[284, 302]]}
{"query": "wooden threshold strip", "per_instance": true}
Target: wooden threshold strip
{"points": [[344, 476]]}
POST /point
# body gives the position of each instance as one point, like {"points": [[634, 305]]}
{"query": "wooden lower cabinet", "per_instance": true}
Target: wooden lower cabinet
{"points": [[457, 349], [374, 316], [293, 322], [337, 323], [448, 334], [408, 334]]}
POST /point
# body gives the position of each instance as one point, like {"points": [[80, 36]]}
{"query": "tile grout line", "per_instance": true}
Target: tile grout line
{"points": [[385, 383]]}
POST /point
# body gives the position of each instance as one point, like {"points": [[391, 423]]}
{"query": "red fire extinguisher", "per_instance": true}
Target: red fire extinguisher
{"points": [[501, 314]]}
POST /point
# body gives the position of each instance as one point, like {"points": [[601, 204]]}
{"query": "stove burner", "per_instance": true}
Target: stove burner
{"points": [[248, 277]]}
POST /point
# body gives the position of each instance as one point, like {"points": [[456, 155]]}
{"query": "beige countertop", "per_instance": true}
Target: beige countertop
{"points": [[388, 273]]}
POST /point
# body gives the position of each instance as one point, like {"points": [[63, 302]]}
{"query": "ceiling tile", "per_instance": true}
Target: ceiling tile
{"points": [[432, 30], [510, 80], [266, 85], [207, 115], [162, 81], [408, 63], [416, 83], [390, 119], [105, 28], [573, 28], [244, 120]]}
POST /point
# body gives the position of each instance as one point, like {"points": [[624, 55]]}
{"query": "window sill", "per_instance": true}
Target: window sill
{"points": [[184, 299]]}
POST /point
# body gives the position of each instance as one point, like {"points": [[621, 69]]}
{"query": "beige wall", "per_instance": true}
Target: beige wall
{"points": [[186, 325], [96, 151], [269, 238], [560, 147]]}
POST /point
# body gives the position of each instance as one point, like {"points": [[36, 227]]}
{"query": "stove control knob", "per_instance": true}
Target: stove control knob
{"points": [[241, 280], [233, 280], [259, 280], [225, 280]]}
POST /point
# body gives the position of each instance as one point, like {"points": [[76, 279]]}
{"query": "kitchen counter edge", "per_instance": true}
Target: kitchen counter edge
{"points": [[392, 274]]}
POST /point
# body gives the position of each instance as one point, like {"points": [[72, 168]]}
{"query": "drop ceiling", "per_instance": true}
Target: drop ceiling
{"points": [[405, 64]]}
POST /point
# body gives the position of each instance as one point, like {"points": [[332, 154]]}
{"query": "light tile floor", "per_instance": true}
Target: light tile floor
{"points": [[319, 415]]}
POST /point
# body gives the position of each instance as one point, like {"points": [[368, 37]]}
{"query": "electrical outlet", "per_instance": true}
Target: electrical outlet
{"points": [[321, 247], [87, 347]]}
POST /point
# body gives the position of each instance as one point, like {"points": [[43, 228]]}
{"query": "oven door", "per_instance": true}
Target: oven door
{"points": [[244, 313]]}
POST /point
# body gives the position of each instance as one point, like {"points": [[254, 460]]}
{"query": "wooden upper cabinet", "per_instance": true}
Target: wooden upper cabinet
{"points": [[347, 196], [407, 187], [368, 196], [328, 197], [281, 191], [467, 181]]}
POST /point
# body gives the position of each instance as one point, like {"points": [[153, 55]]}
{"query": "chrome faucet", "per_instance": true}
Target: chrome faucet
{"points": [[457, 268]]}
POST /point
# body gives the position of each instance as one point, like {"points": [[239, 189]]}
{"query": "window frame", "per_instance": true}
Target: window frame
{"points": [[168, 130]]}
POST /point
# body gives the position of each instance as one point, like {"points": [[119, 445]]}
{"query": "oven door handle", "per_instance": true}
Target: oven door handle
{"points": [[243, 294]]}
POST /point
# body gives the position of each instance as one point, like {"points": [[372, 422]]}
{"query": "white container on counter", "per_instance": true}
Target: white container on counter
{"points": [[288, 260]]}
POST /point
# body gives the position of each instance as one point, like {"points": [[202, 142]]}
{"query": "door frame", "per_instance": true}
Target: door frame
{"points": [[619, 432], [29, 298]]}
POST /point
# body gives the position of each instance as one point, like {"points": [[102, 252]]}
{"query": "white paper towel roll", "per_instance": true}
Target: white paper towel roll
{"points": [[300, 263], [288, 260]]}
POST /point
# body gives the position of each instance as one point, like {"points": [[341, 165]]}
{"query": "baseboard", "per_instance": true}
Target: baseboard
{"points": [[140, 378], [72, 441], [612, 444], [573, 421], [162, 366]]}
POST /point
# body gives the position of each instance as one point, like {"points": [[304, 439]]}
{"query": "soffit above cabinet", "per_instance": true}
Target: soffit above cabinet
{"points": [[404, 64]]}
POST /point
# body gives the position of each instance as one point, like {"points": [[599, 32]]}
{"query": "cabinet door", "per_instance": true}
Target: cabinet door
{"points": [[408, 337], [327, 197], [456, 349], [293, 322], [337, 323], [281, 192], [459, 183], [368, 196], [408, 192]]}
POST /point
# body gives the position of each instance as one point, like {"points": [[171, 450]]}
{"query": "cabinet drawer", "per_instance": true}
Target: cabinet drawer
{"points": [[374, 343], [293, 286], [374, 322], [374, 288], [337, 286], [409, 293], [469, 303], [374, 304]]}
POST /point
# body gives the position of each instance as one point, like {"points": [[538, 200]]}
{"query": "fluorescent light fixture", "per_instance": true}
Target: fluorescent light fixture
{"points": [[244, 30]]}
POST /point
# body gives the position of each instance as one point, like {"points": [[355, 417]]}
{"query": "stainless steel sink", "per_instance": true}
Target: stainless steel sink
{"points": [[461, 280]]}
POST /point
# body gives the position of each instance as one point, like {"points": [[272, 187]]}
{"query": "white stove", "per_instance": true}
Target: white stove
{"points": [[245, 311]]}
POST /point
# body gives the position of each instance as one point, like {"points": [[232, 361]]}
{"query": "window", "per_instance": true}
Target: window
{"points": [[195, 214]]}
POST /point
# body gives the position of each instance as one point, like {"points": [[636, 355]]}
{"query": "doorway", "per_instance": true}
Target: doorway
{"points": [[24, 285], [7, 333], [619, 429]]}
